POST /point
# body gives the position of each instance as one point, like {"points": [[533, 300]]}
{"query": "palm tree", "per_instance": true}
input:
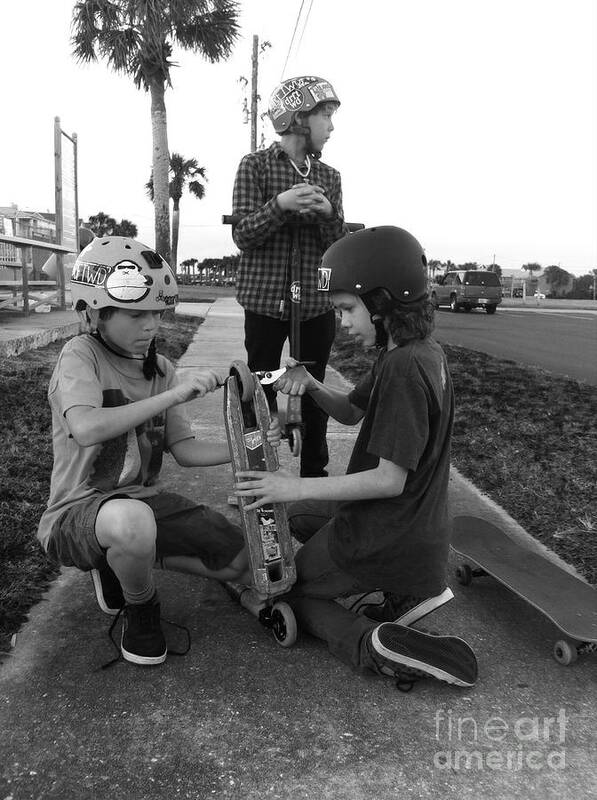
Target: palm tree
{"points": [[184, 171], [531, 267], [137, 38], [188, 266], [103, 225]]}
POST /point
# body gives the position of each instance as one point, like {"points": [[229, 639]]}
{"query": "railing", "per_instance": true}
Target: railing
{"points": [[21, 289]]}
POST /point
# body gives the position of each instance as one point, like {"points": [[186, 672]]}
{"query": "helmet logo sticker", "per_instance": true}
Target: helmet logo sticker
{"points": [[127, 284], [322, 91], [324, 275], [293, 101], [91, 274], [288, 96]]}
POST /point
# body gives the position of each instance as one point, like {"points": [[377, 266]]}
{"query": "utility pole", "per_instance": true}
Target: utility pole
{"points": [[252, 113], [254, 94]]}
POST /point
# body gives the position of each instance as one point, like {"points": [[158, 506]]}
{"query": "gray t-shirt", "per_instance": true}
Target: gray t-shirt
{"points": [[401, 543], [88, 374]]}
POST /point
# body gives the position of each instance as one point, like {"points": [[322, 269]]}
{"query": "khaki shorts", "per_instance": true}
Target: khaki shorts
{"points": [[183, 529]]}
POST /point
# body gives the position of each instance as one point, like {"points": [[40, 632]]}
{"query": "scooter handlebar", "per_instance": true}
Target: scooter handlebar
{"points": [[233, 219]]}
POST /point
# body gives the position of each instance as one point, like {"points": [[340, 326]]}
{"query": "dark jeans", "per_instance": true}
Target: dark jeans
{"points": [[264, 340], [320, 581]]}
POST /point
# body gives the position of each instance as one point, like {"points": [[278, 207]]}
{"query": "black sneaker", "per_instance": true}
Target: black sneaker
{"points": [[142, 639], [405, 609], [447, 658], [107, 590]]}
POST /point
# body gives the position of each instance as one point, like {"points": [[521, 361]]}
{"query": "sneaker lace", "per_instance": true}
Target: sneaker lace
{"points": [[149, 617], [356, 604]]}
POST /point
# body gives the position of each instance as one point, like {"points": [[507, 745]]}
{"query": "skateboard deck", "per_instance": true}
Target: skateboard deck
{"points": [[570, 603], [266, 531]]}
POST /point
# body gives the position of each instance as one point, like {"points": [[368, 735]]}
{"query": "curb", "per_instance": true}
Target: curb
{"points": [[13, 347]]}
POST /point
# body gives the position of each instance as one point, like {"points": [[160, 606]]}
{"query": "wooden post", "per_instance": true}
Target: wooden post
{"points": [[59, 211], [26, 258]]}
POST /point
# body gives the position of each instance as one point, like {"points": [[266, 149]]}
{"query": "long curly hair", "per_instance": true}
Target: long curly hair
{"points": [[405, 321]]}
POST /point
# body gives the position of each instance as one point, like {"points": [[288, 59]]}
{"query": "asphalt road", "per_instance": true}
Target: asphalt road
{"points": [[563, 342]]}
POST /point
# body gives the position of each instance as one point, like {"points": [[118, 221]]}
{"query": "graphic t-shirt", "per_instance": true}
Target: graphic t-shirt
{"points": [[88, 374], [401, 543]]}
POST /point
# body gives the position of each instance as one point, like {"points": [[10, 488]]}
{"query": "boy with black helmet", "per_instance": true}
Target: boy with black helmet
{"points": [[116, 407], [383, 525], [280, 192]]}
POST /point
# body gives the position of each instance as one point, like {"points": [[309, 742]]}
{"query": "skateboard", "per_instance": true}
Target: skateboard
{"points": [[570, 603], [266, 532]]}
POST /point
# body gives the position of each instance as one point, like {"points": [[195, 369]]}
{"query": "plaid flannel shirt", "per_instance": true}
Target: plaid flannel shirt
{"points": [[264, 233]]}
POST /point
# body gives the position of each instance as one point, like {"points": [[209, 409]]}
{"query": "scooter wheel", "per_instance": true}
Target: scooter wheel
{"points": [[283, 624], [244, 378], [295, 440]]}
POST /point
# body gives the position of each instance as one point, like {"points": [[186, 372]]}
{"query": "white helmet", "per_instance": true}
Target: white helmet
{"points": [[124, 273]]}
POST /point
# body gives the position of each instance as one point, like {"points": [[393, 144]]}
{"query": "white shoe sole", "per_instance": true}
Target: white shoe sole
{"points": [[145, 661], [426, 607], [99, 594], [401, 660]]}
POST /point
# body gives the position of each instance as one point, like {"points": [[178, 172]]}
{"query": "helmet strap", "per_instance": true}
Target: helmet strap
{"points": [[97, 335], [300, 129], [381, 334]]}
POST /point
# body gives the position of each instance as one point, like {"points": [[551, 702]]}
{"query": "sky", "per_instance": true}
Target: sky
{"points": [[471, 123]]}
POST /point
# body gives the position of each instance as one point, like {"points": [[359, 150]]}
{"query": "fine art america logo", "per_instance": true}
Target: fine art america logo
{"points": [[496, 744]]}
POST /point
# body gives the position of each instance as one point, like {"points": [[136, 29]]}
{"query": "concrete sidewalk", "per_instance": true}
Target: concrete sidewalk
{"points": [[240, 717]]}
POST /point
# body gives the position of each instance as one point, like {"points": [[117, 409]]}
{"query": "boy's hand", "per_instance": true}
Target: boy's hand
{"points": [[267, 487], [197, 385], [274, 434], [295, 381], [319, 202], [304, 198]]}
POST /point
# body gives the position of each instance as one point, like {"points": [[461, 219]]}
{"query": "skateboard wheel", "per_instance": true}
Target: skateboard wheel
{"points": [[245, 380], [564, 652], [464, 574], [283, 624]]}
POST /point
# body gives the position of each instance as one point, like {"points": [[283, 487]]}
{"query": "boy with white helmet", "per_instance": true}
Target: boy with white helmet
{"points": [[283, 187], [384, 524], [116, 407]]}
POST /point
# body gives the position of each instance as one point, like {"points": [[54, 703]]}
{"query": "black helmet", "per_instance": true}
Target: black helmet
{"points": [[384, 257]]}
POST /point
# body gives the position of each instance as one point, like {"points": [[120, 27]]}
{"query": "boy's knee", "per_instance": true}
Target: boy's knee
{"points": [[236, 570], [127, 525]]}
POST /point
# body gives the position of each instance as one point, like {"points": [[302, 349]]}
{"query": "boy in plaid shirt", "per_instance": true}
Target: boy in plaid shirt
{"points": [[275, 189]]}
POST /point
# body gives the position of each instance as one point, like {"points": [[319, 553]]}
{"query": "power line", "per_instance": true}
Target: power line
{"points": [[298, 16], [298, 47]]}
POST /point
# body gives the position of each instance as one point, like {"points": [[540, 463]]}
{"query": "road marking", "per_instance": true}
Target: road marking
{"points": [[585, 313]]}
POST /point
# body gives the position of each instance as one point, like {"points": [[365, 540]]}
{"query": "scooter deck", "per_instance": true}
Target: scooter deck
{"points": [[266, 531]]}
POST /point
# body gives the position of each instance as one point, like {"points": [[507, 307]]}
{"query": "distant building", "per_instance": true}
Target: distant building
{"points": [[30, 225], [519, 282], [513, 281]]}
